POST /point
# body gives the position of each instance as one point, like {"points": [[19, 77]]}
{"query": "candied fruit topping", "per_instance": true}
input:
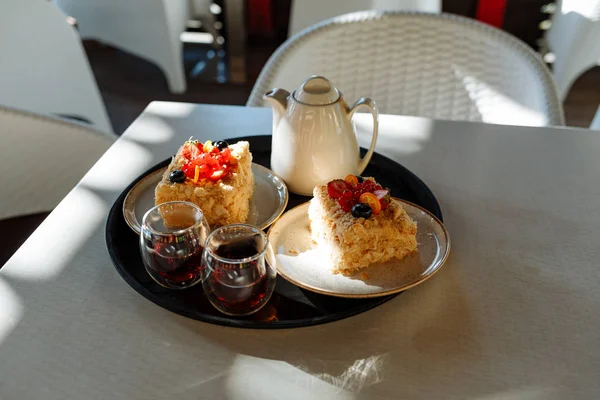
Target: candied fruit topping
{"points": [[206, 161], [354, 193], [336, 187], [190, 150], [352, 180], [372, 201], [347, 200]]}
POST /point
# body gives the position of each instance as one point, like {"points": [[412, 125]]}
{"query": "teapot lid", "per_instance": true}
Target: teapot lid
{"points": [[317, 91]]}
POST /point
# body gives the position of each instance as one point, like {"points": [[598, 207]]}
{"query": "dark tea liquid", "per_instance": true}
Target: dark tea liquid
{"points": [[238, 287], [175, 267]]}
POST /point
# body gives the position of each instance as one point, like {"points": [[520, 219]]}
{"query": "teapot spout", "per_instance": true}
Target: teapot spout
{"points": [[278, 100]]}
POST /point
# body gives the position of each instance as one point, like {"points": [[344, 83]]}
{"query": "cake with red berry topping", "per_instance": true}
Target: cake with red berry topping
{"points": [[217, 177], [359, 224]]}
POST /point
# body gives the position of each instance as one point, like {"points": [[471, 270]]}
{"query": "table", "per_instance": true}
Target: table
{"points": [[515, 312]]}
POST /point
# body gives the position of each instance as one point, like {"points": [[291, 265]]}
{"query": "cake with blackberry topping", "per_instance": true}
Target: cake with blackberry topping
{"points": [[217, 177], [359, 224]]}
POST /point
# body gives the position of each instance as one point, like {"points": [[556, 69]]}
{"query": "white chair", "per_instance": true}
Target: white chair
{"points": [[437, 66], [43, 67], [574, 38], [42, 159], [150, 29], [305, 13]]}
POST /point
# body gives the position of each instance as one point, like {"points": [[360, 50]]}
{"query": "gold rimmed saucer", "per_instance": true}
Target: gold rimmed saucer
{"points": [[268, 202], [302, 263]]}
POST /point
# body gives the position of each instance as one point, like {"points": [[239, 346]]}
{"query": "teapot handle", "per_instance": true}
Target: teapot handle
{"points": [[370, 104]]}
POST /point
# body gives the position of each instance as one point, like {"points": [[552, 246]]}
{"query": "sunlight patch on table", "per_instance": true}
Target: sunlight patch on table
{"points": [[119, 167], [404, 135], [151, 129], [12, 310], [52, 246], [256, 378], [169, 109], [532, 393], [360, 375]]}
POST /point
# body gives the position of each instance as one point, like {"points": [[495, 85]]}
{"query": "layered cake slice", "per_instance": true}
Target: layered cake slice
{"points": [[359, 224], [217, 177]]}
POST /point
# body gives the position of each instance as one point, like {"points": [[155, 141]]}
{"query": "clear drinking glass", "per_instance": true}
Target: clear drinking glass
{"points": [[239, 272], [172, 241]]}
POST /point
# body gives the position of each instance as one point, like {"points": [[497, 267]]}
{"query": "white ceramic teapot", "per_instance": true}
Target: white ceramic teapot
{"points": [[314, 139]]}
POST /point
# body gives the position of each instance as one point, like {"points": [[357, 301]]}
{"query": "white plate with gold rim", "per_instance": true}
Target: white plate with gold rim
{"points": [[269, 199], [304, 264]]}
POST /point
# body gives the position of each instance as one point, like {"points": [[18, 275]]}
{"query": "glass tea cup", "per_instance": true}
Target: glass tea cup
{"points": [[239, 269], [171, 243]]}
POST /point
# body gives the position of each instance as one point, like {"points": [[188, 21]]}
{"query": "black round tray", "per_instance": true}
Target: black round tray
{"points": [[290, 306]]}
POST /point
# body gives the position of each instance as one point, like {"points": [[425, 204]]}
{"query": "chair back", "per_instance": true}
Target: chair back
{"points": [[432, 65], [42, 159]]}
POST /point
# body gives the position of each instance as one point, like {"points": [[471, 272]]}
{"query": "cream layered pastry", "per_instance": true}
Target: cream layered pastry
{"points": [[358, 223], [217, 177]]}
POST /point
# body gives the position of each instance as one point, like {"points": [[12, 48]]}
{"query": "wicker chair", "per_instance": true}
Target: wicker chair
{"points": [[42, 159], [431, 65]]}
